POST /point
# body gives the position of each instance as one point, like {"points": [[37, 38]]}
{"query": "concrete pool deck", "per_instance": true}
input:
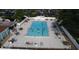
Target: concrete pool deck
{"points": [[51, 41]]}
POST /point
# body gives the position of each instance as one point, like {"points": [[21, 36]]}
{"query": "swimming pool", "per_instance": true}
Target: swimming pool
{"points": [[38, 28]]}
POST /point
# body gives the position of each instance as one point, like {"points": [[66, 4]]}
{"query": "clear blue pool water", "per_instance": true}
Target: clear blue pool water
{"points": [[38, 28]]}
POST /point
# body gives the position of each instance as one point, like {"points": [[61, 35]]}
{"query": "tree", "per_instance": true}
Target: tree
{"points": [[70, 19], [19, 14]]}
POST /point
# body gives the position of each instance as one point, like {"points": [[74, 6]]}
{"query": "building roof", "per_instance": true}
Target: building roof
{"points": [[2, 28], [7, 23]]}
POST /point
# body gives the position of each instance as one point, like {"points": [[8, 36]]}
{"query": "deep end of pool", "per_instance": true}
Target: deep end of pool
{"points": [[38, 28]]}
